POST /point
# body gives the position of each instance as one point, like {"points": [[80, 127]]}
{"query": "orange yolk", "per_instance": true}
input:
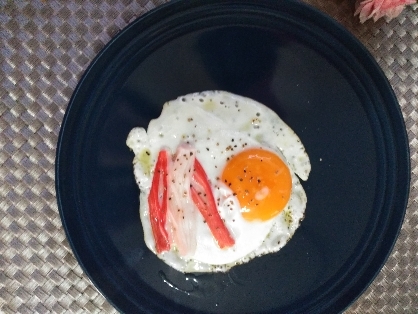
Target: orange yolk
{"points": [[261, 181]]}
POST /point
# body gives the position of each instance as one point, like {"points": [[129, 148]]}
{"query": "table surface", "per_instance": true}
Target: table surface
{"points": [[45, 47]]}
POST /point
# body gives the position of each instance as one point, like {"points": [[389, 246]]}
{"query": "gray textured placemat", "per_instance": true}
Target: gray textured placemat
{"points": [[45, 46]]}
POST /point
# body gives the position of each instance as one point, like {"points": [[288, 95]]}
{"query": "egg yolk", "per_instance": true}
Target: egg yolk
{"points": [[261, 181]]}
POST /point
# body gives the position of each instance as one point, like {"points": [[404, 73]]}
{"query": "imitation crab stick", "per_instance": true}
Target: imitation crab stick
{"points": [[157, 201], [202, 196], [182, 214]]}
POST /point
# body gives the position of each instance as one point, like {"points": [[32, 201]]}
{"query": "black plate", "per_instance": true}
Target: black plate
{"points": [[316, 76]]}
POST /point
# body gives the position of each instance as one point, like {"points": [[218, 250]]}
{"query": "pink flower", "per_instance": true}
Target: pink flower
{"points": [[376, 9]]}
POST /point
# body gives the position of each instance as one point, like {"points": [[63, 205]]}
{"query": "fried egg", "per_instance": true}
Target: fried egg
{"points": [[252, 161]]}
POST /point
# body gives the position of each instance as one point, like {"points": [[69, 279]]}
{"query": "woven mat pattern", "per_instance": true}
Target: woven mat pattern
{"points": [[44, 48]]}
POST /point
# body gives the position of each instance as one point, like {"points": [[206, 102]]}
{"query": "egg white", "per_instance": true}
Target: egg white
{"points": [[218, 125]]}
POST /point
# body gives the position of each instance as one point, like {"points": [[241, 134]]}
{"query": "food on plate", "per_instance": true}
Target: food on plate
{"points": [[218, 181]]}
